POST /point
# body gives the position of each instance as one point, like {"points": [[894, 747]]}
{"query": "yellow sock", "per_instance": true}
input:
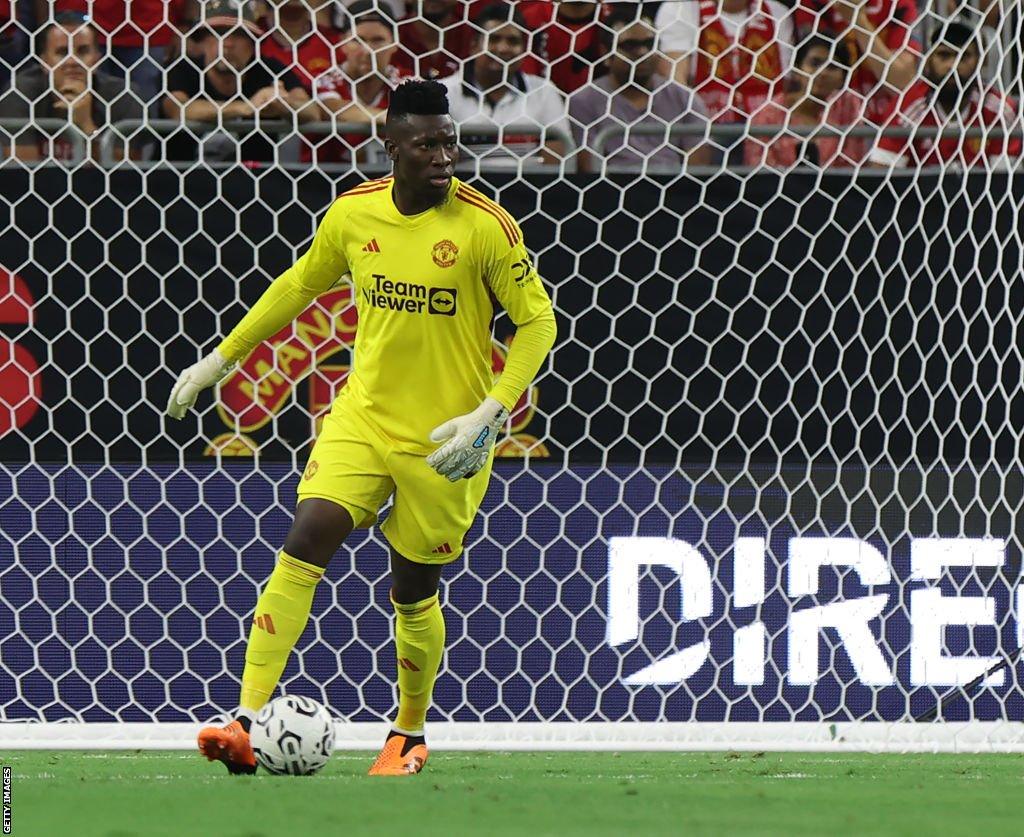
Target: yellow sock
{"points": [[419, 641], [281, 615]]}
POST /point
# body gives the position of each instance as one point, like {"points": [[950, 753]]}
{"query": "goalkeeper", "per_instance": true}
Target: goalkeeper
{"points": [[418, 417]]}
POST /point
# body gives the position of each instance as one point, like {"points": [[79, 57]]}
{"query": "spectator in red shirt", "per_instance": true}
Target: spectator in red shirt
{"points": [[568, 45], [883, 56], [734, 53], [359, 90], [294, 39], [951, 93], [434, 39], [814, 96], [138, 34]]}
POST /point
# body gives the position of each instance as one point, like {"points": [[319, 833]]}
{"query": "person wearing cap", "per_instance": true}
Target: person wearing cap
{"points": [[233, 83]]}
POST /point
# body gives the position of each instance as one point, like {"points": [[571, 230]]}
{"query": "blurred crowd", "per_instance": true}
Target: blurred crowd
{"points": [[657, 86]]}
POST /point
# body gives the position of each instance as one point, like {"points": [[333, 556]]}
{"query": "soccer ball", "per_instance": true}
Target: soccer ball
{"points": [[292, 734]]}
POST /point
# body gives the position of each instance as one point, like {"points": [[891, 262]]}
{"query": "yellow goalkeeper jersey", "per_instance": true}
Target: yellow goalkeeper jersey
{"points": [[424, 287]]}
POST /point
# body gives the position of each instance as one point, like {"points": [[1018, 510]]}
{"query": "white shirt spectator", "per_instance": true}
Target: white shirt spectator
{"points": [[678, 26], [527, 100]]}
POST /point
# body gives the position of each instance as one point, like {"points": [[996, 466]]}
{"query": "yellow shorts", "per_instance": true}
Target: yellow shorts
{"points": [[356, 466]]}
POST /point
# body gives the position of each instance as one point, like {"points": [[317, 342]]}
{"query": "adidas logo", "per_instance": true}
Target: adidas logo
{"points": [[407, 664], [371, 246], [443, 549], [265, 623]]}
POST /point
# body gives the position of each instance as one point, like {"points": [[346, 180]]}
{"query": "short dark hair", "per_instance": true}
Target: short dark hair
{"points": [[366, 11], [417, 98], [620, 18], [501, 13], [957, 34], [837, 50], [67, 20]]}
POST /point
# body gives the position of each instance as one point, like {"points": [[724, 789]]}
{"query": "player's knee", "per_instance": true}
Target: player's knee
{"points": [[317, 532], [413, 582]]}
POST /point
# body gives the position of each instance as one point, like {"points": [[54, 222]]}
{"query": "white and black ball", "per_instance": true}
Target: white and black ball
{"points": [[292, 735]]}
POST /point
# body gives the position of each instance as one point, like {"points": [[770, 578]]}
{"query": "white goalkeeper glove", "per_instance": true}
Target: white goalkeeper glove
{"points": [[467, 440], [210, 370]]}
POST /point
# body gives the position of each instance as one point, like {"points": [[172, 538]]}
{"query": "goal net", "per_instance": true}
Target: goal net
{"points": [[766, 491]]}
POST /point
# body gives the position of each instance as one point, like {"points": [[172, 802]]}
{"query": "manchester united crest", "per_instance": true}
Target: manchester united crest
{"points": [[445, 253], [311, 470]]}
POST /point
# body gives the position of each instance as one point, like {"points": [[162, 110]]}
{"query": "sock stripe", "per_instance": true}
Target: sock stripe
{"points": [[415, 608], [310, 571]]}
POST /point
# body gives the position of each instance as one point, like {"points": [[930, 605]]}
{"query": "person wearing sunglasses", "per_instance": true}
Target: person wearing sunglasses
{"points": [[635, 94], [815, 95]]}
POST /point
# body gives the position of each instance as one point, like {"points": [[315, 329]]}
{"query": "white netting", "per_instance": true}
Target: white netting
{"points": [[770, 474]]}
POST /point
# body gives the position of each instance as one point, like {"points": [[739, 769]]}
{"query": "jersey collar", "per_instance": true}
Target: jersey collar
{"points": [[420, 218]]}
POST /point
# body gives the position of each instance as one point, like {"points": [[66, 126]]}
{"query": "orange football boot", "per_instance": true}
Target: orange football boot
{"points": [[403, 755], [230, 745]]}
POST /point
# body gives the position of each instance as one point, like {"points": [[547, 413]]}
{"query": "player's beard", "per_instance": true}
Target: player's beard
{"points": [[641, 73], [952, 91]]}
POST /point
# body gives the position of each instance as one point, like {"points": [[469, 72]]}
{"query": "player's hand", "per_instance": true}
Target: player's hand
{"points": [[270, 101], [210, 370], [467, 440]]}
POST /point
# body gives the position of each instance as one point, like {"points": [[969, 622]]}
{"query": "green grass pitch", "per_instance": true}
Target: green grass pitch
{"points": [[636, 794]]}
